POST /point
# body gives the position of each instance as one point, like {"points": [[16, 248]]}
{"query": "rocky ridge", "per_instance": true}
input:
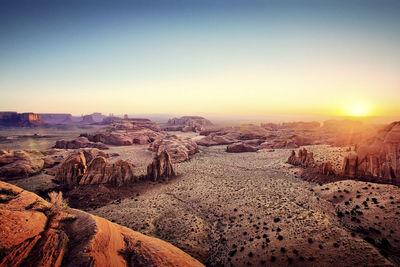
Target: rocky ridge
{"points": [[38, 233]]}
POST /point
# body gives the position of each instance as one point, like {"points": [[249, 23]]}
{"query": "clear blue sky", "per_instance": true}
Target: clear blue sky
{"points": [[200, 57]]}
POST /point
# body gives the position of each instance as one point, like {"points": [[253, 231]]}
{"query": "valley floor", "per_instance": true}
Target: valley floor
{"points": [[251, 209]]}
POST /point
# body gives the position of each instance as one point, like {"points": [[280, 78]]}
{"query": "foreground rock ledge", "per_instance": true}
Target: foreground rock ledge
{"points": [[33, 235]]}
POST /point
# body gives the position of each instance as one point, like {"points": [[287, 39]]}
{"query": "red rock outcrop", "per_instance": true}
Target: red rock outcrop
{"points": [[378, 158], [91, 167], [304, 158], [100, 171], [240, 148], [33, 233], [71, 169], [79, 142], [212, 140], [17, 164], [161, 167], [178, 148]]}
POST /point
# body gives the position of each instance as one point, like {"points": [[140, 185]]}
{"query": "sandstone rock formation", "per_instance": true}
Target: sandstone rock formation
{"points": [[161, 167], [212, 140], [188, 124], [378, 158], [16, 164], [79, 142], [100, 171], [91, 167], [178, 148], [37, 233], [304, 158], [241, 147], [71, 169], [130, 135]]}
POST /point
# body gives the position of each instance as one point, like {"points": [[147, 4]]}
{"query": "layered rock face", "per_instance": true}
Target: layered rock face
{"points": [[188, 124], [161, 167], [378, 158], [20, 119], [84, 167], [178, 148], [17, 164], [100, 171], [71, 169], [90, 167], [304, 158], [79, 142], [37, 233]]}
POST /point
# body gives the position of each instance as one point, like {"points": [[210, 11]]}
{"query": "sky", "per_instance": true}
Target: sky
{"points": [[316, 57]]}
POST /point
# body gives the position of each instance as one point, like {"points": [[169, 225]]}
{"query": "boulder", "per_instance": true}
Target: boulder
{"points": [[213, 140], [178, 148], [17, 164], [161, 167], [240, 148]]}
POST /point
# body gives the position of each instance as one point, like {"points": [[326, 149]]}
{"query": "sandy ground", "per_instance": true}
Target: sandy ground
{"points": [[244, 209]]}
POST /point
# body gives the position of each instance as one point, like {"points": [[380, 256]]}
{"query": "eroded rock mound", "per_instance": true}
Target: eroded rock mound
{"points": [[71, 169], [178, 148], [240, 148], [131, 135], [17, 164], [161, 167], [91, 167], [100, 171], [35, 234], [188, 124], [378, 158]]}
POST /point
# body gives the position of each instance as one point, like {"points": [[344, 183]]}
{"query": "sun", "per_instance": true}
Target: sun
{"points": [[358, 110]]}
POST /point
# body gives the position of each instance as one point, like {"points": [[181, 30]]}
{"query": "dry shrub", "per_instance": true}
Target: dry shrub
{"points": [[58, 203]]}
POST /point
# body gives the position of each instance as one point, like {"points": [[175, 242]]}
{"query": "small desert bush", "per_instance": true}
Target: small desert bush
{"points": [[58, 203]]}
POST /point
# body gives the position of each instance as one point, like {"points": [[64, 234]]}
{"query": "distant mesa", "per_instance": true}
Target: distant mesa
{"points": [[69, 119], [87, 119], [14, 119]]}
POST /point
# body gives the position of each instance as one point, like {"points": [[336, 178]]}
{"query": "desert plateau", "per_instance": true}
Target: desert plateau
{"points": [[220, 133]]}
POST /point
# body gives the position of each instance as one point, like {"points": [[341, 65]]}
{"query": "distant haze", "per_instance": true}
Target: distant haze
{"points": [[216, 58]]}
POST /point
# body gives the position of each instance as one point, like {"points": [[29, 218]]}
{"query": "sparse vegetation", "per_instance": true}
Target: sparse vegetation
{"points": [[57, 201]]}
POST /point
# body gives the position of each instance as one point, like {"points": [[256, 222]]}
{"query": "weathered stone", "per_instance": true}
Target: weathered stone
{"points": [[161, 167]]}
